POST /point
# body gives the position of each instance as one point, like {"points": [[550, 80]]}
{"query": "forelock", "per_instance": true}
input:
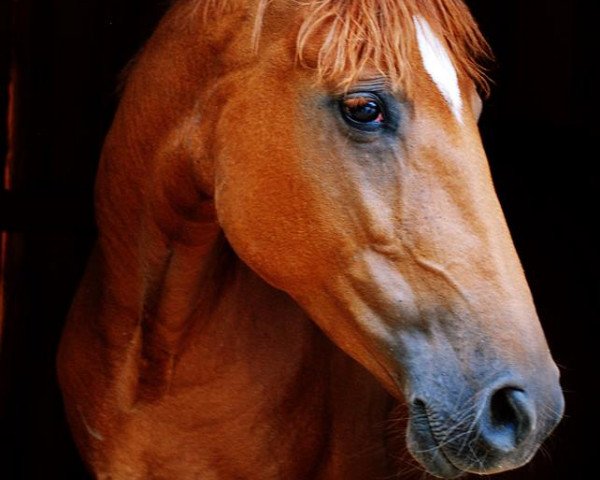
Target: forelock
{"points": [[355, 35]]}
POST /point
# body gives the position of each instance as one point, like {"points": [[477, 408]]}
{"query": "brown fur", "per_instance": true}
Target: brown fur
{"points": [[266, 291]]}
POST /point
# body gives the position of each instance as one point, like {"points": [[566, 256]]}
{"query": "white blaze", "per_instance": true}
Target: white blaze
{"points": [[438, 65]]}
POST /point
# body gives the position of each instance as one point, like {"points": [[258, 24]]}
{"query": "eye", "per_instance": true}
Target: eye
{"points": [[363, 110]]}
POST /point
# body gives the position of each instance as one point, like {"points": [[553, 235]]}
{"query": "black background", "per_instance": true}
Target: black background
{"points": [[540, 128]]}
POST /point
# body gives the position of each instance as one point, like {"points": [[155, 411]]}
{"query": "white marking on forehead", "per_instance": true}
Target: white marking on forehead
{"points": [[438, 65]]}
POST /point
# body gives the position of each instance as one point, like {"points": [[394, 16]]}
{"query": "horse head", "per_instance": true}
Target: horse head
{"points": [[334, 145], [348, 171]]}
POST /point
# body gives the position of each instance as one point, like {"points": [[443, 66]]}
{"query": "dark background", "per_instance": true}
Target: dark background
{"points": [[540, 128]]}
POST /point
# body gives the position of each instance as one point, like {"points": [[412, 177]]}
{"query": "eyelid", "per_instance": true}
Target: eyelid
{"points": [[375, 85], [360, 95]]}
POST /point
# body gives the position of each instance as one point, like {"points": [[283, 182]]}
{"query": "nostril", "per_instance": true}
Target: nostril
{"points": [[502, 411], [511, 418]]}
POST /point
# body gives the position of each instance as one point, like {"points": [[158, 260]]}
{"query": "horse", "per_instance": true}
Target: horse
{"points": [[302, 269]]}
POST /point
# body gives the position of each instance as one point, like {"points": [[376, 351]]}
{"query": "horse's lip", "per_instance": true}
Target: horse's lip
{"points": [[425, 446]]}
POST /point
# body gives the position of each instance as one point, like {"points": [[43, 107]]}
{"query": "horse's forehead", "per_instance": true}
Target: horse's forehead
{"points": [[438, 65]]}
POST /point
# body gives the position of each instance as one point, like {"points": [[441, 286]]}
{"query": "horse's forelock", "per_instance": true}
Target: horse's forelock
{"points": [[380, 34]]}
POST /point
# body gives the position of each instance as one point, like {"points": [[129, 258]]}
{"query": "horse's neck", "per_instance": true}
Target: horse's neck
{"points": [[219, 337]]}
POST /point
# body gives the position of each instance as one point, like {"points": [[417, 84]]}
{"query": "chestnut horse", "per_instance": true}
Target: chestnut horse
{"points": [[301, 255]]}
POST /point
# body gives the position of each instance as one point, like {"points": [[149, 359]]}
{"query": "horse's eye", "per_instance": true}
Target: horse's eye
{"points": [[363, 110]]}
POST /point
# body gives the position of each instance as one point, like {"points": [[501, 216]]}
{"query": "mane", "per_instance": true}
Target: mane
{"points": [[380, 34]]}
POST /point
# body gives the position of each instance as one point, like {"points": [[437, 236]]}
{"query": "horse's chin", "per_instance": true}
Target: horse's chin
{"points": [[425, 448]]}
